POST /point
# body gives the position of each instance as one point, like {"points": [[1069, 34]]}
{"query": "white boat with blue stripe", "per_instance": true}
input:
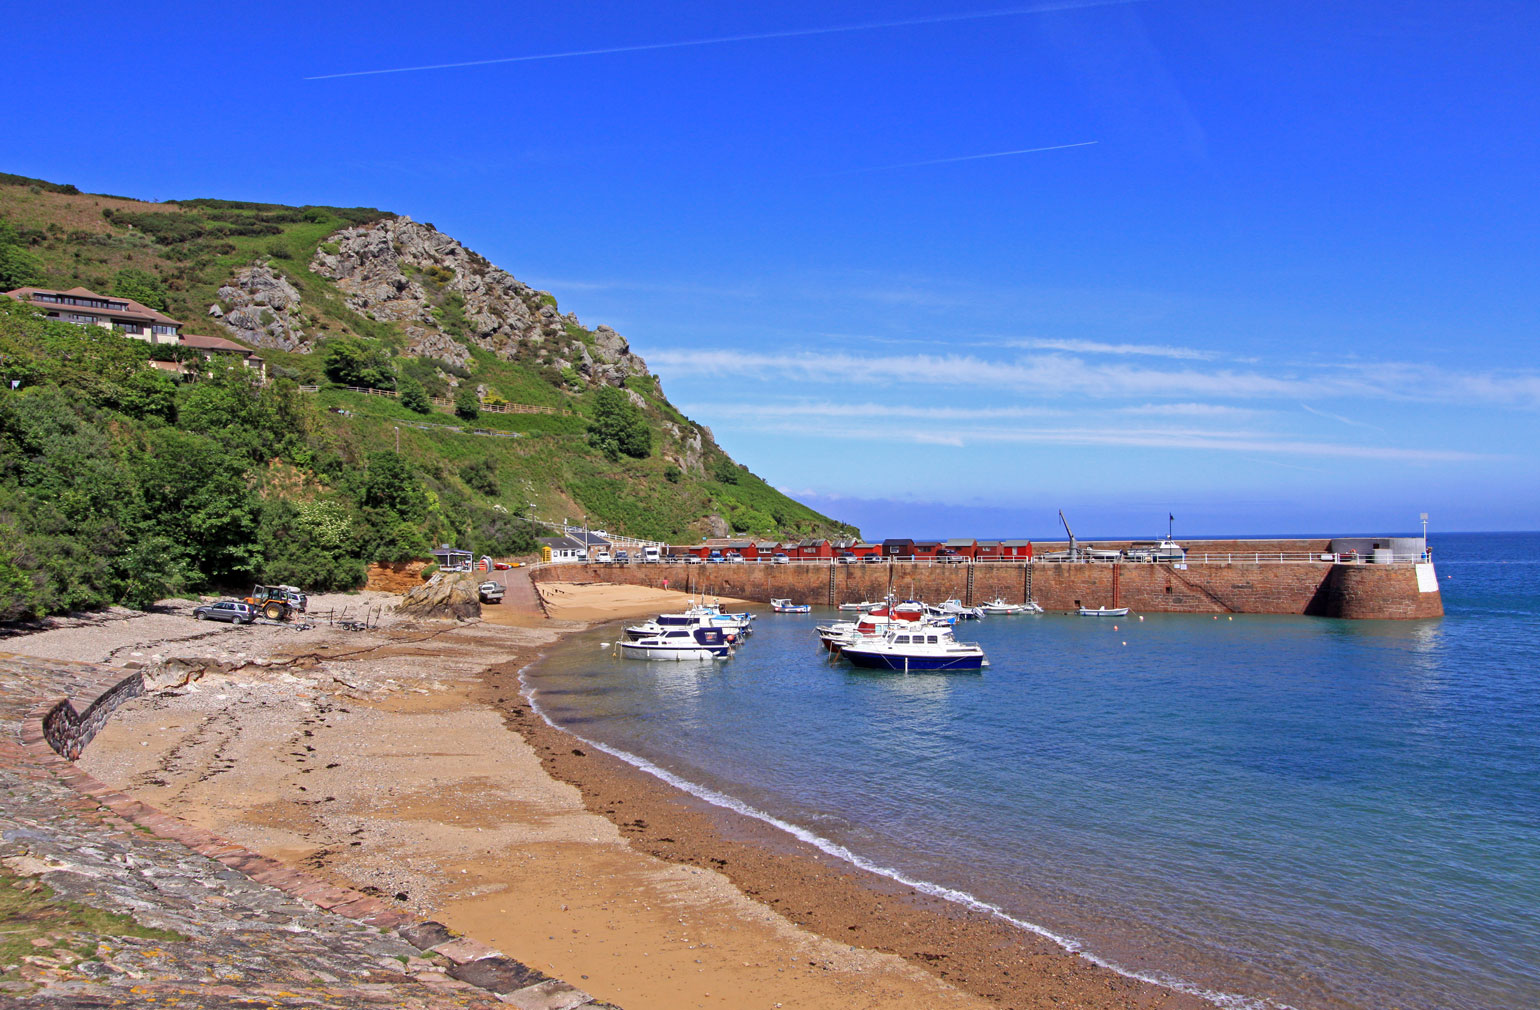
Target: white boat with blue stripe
{"points": [[916, 649], [680, 644]]}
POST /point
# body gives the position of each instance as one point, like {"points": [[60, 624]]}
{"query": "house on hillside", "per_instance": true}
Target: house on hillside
{"points": [[131, 319], [210, 347], [87, 308]]}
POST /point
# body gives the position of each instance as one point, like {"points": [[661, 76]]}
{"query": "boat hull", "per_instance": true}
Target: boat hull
{"points": [[870, 660], [1104, 612], [692, 654]]}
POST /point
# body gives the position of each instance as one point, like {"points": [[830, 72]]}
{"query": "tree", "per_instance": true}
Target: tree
{"points": [[618, 427], [391, 485], [481, 475], [140, 285], [352, 362], [19, 266], [724, 471], [467, 404], [413, 396]]}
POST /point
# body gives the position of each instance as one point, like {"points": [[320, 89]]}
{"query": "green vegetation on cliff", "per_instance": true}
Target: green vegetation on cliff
{"points": [[119, 483]]}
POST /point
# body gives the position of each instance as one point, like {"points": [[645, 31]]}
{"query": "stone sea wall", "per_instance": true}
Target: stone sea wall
{"points": [[1360, 591]]}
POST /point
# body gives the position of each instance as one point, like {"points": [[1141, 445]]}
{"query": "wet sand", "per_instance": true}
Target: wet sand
{"points": [[406, 762]]}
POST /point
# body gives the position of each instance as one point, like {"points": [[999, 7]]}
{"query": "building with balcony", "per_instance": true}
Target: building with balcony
{"points": [[87, 308]]}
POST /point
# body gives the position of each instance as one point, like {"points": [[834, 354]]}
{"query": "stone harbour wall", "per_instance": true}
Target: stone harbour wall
{"points": [[1358, 591]]}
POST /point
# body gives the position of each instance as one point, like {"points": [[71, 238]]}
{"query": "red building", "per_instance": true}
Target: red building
{"points": [[926, 550], [1018, 549], [965, 547], [813, 548], [988, 550]]}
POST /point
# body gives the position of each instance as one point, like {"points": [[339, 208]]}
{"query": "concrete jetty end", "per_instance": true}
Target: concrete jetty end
{"points": [[1368, 580]]}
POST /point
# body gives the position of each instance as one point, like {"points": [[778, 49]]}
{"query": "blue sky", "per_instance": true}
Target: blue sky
{"points": [[1284, 281]]}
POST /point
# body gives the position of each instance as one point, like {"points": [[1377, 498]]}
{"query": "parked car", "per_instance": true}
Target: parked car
{"points": [[872, 559], [734, 558], [847, 558], [692, 559], [950, 557], [602, 557], [233, 611], [714, 558], [622, 558], [296, 596], [491, 591], [780, 559]]}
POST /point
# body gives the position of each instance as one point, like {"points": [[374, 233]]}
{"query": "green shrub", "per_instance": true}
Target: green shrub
{"points": [[618, 427], [467, 406]]}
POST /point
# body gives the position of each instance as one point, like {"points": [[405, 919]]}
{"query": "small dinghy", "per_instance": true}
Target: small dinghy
{"points": [[680, 644], [1103, 611]]}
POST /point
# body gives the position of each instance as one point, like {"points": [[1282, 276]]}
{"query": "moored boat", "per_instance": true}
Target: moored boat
{"points": [[915, 649], [788, 607], [1103, 611], [680, 644], [999, 606]]}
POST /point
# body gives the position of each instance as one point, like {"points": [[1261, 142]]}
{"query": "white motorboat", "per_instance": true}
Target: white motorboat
{"points": [[914, 650], [680, 644], [863, 605], [1103, 611], [908, 614], [999, 606], [955, 609], [788, 607]]}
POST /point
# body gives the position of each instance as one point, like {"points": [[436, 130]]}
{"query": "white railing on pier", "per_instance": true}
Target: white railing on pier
{"points": [[1226, 558]]}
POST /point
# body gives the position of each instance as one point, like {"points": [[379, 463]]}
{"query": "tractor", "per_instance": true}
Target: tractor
{"points": [[272, 602]]}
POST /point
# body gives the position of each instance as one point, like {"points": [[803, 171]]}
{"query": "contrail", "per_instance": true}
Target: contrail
{"points": [[790, 33], [966, 157]]}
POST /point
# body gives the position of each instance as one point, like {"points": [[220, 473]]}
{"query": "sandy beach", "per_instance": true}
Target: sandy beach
{"points": [[405, 762]]}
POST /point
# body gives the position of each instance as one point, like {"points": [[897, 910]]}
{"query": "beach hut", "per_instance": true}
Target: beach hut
{"points": [[814, 547], [901, 548], [862, 549], [1020, 550], [966, 547], [926, 550], [988, 550]]}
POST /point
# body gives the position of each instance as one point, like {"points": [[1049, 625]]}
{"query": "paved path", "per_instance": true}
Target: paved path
{"points": [[258, 933]]}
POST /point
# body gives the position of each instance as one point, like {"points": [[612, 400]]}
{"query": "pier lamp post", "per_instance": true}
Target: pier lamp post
{"points": [[1424, 517]]}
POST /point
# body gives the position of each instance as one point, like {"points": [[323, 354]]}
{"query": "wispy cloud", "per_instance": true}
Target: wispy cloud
{"points": [[964, 157], [1339, 418], [1052, 375], [1098, 347], [1138, 438], [786, 33], [911, 412]]}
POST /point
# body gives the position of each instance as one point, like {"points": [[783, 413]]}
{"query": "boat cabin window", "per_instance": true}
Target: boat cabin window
{"points": [[902, 639], [931, 639], [676, 634]]}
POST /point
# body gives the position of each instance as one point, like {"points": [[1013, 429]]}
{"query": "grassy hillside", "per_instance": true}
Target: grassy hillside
{"points": [[625, 459]]}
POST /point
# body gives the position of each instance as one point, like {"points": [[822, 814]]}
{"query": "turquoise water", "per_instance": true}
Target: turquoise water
{"points": [[1286, 811]]}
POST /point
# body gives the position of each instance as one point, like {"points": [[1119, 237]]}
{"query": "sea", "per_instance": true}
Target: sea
{"points": [[1270, 811]]}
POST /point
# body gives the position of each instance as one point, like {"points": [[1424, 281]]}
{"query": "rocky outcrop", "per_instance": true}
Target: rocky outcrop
{"points": [[260, 307], [443, 597], [446, 296], [394, 576]]}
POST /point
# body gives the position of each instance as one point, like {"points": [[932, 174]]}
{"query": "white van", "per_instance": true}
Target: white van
{"points": [[601, 557], [650, 554]]}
